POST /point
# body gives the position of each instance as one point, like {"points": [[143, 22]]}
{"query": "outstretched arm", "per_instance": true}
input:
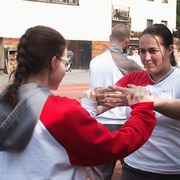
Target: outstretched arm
{"points": [[168, 107], [98, 142], [113, 96]]}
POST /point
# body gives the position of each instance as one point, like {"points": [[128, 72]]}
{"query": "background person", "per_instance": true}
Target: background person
{"points": [[134, 55], [105, 71], [177, 51], [62, 138]]}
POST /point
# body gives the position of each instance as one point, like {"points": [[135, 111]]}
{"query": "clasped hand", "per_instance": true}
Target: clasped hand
{"points": [[114, 96]]}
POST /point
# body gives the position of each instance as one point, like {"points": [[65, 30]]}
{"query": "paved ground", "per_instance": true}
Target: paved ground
{"points": [[3, 79], [72, 86], [76, 77], [72, 77]]}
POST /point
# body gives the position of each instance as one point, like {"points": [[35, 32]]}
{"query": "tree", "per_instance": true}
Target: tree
{"points": [[178, 19]]}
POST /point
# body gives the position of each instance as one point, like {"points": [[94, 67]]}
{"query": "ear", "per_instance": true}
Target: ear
{"points": [[110, 38], [171, 48], [54, 62], [127, 40]]}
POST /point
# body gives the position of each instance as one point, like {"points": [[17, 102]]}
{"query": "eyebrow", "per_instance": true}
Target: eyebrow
{"points": [[151, 48]]}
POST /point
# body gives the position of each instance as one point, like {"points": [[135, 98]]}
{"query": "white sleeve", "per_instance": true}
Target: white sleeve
{"points": [[90, 106]]}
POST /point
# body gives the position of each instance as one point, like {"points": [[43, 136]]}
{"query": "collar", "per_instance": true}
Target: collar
{"points": [[173, 68], [116, 48]]}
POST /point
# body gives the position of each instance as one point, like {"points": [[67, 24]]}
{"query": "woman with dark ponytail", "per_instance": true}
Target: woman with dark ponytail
{"points": [[43, 136], [159, 157]]}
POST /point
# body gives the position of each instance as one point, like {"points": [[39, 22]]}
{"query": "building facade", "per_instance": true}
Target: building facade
{"points": [[85, 23]]}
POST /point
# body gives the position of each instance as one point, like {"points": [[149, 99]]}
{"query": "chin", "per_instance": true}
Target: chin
{"points": [[53, 87]]}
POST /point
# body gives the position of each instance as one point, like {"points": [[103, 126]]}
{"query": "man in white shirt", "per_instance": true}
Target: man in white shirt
{"points": [[106, 69]]}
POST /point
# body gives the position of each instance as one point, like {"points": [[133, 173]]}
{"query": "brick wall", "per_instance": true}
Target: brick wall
{"points": [[11, 41], [98, 47]]}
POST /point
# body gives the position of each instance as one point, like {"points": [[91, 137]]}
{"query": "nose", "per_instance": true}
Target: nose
{"points": [[147, 56]]}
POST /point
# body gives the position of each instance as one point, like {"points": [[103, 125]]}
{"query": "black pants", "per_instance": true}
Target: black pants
{"points": [[129, 173], [105, 171]]}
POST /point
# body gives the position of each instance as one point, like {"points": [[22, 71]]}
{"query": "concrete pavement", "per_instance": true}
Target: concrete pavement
{"points": [[3, 79], [76, 76]]}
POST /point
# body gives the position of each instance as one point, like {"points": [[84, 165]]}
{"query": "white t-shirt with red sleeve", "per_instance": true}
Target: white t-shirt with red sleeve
{"points": [[160, 154], [67, 138]]}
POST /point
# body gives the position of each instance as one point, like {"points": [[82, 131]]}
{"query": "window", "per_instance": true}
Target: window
{"points": [[164, 22], [71, 2], [120, 13], [164, 1], [65, 1], [149, 22]]}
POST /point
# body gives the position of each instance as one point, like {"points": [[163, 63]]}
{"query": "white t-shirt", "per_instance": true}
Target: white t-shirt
{"points": [[161, 153], [104, 72], [137, 59]]}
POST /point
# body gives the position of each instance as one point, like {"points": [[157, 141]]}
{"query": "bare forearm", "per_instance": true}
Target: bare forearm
{"points": [[101, 109], [168, 107]]}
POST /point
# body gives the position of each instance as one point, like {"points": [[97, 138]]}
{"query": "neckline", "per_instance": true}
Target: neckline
{"points": [[172, 70]]}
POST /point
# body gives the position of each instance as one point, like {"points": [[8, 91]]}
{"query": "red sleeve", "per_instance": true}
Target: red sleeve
{"points": [[138, 78], [88, 142]]}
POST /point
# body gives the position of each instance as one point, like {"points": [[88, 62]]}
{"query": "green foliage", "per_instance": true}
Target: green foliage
{"points": [[178, 14], [178, 19]]}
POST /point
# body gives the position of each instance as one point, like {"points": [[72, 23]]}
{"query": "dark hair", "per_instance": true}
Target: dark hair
{"points": [[166, 36], [35, 50]]}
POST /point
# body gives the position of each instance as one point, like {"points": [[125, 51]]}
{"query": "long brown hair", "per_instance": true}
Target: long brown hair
{"points": [[35, 50]]}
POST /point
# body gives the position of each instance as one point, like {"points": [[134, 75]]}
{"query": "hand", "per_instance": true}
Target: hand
{"points": [[90, 94], [112, 96], [118, 96], [139, 94]]}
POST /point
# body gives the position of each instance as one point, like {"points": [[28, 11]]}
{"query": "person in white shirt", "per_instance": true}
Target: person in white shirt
{"points": [[135, 56], [106, 69], [176, 43], [159, 157]]}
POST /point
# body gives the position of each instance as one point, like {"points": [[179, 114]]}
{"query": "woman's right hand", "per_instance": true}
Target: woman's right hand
{"points": [[119, 96], [139, 94]]}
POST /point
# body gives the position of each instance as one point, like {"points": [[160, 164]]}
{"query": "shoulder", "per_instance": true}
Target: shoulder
{"points": [[57, 107], [59, 110], [175, 74], [143, 73], [58, 102], [138, 75], [101, 56], [177, 69], [139, 78]]}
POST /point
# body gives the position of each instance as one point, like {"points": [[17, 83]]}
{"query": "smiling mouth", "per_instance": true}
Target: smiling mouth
{"points": [[149, 65]]}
